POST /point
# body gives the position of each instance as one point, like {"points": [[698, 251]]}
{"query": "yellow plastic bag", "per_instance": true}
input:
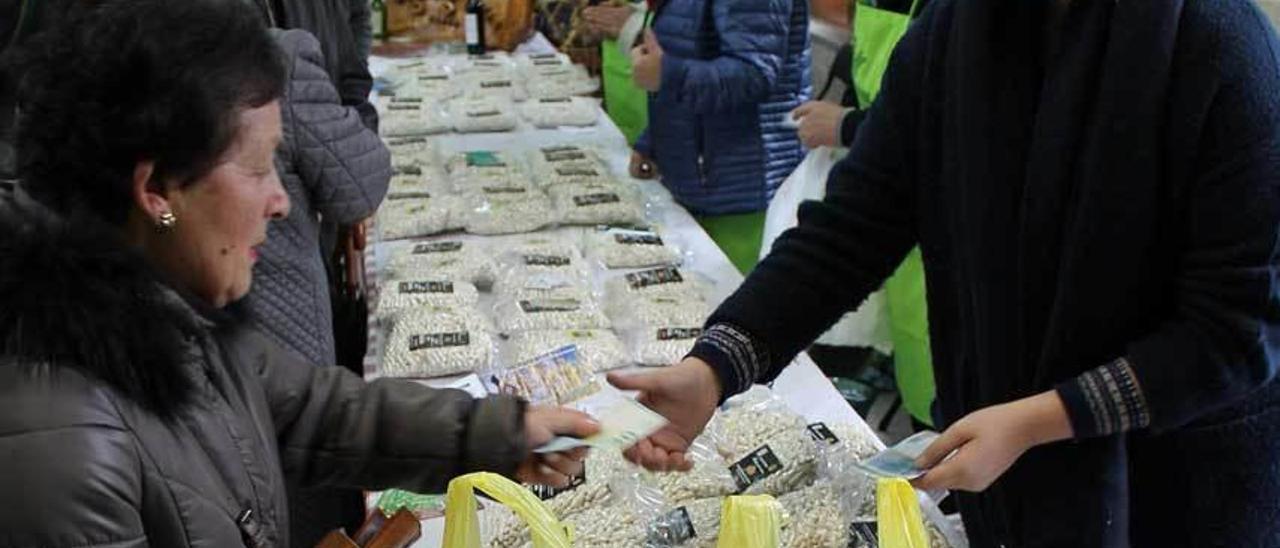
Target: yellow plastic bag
{"points": [[898, 515], [462, 528], [750, 522]]}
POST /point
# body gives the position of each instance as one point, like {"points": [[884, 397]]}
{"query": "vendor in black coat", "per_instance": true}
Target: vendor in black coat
{"points": [[1094, 186]]}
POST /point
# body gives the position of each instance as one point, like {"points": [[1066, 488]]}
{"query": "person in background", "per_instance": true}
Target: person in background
{"points": [[336, 169], [343, 29], [137, 407], [620, 26], [722, 75], [1094, 189]]}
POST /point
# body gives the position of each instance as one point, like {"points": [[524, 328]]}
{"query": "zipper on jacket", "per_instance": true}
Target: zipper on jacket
{"points": [[250, 530]]}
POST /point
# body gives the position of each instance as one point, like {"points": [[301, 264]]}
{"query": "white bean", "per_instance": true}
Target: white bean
{"points": [[433, 341], [625, 248], [451, 259], [597, 204], [599, 349], [560, 111], [415, 217]]}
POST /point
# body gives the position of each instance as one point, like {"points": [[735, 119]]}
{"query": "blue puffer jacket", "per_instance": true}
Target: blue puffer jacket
{"points": [[731, 71]]}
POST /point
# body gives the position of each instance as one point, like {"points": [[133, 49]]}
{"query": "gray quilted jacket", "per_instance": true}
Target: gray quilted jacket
{"points": [[334, 169], [131, 416]]}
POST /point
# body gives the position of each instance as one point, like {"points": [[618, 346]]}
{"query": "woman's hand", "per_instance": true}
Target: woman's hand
{"points": [[607, 21], [541, 424], [819, 123], [646, 63], [975, 451]]}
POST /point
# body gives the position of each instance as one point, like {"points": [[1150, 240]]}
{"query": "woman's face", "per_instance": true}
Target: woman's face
{"points": [[222, 217]]}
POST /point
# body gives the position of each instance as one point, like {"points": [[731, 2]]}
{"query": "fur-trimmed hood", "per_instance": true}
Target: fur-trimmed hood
{"points": [[74, 294]]}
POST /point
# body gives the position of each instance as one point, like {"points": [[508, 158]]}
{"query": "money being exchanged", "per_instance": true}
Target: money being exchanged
{"points": [[621, 426], [899, 461]]}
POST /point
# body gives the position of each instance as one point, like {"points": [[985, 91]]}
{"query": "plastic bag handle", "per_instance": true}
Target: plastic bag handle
{"points": [[898, 515], [462, 528], [750, 522]]}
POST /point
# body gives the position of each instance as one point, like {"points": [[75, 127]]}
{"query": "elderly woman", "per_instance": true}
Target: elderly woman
{"points": [[135, 409]]}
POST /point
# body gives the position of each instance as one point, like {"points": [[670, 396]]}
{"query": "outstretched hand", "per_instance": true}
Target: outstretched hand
{"points": [[686, 394]]}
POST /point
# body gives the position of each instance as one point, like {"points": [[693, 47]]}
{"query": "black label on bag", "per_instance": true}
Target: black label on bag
{"points": [[535, 306], [416, 195], [401, 141], [577, 172], [759, 465], [596, 199], [632, 238], [403, 106], [546, 260], [564, 156], [543, 55], [408, 170], [819, 432], [547, 62], [406, 99], [656, 276], [504, 190], [561, 100], [432, 77], [547, 492], [420, 286], [678, 333], [438, 340], [673, 528], [482, 113], [437, 247], [559, 148], [496, 84]]}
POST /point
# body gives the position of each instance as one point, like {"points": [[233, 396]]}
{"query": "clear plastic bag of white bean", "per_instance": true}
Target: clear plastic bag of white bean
{"points": [[415, 181], [657, 310], [402, 293], [407, 152], [784, 462], [597, 203], [449, 259], [691, 524], [560, 81], [494, 86], [413, 118], [436, 340], [521, 263], [599, 349], [662, 345], [812, 518], [614, 247], [483, 114], [543, 159], [417, 217], [666, 280], [563, 308], [533, 61], [499, 213], [710, 476], [574, 172], [552, 112], [746, 420]]}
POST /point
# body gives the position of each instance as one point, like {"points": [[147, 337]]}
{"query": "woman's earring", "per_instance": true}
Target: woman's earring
{"points": [[166, 222]]}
